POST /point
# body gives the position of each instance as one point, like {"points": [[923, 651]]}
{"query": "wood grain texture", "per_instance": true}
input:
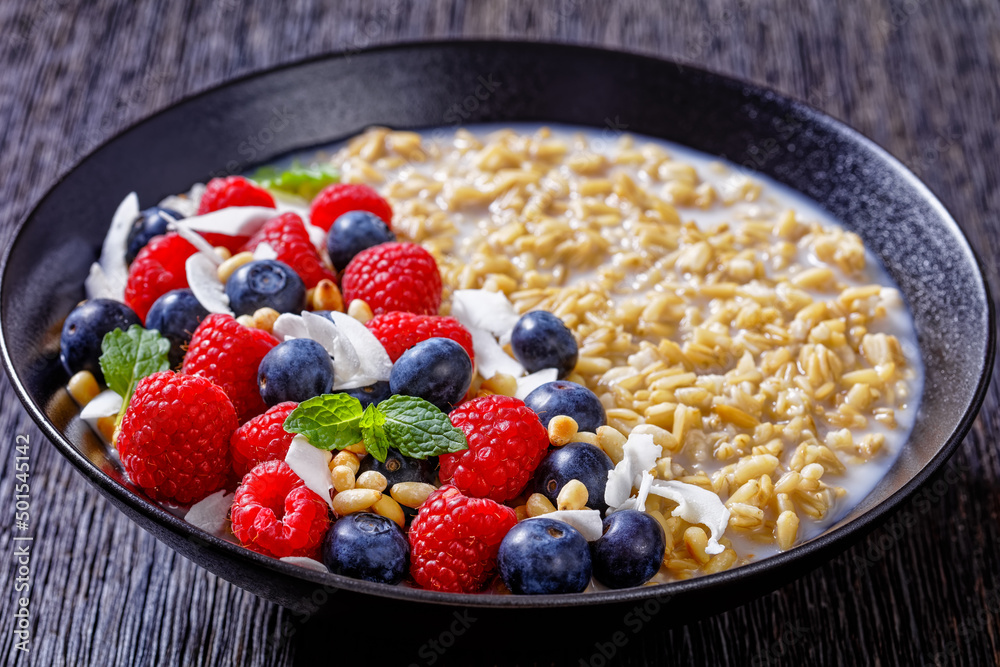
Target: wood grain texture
{"points": [[918, 77]]}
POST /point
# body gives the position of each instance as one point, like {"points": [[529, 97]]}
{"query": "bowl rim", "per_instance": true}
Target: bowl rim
{"points": [[812, 550]]}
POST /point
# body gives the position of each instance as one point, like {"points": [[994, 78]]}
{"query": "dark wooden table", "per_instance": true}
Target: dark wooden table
{"points": [[919, 77]]}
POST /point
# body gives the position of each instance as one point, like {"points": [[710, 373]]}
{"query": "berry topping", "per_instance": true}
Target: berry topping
{"points": [[265, 283], [176, 315], [174, 437], [398, 468], [228, 354], [263, 438], [275, 514], [373, 394], [157, 269], [295, 370], [399, 331], [287, 235], [84, 330], [394, 276], [151, 222], [630, 551], [336, 200], [454, 540], [233, 191], [506, 444], [540, 340], [544, 556], [580, 461], [367, 546], [570, 399], [437, 370], [353, 232]]}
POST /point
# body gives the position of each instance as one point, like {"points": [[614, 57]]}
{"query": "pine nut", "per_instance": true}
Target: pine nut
{"points": [[354, 500], [83, 387], [357, 448], [573, 496], [522, 512], [372, 479], [263, 318], [538, 505], [327, 296], [343, 478], [228, 267], [390, 509], [349, 459], [411, 494], [562, 429], [584, 436], [501, 383], [612, 442], [106, 426], [223, 252], [246, 320], [360, 311]]}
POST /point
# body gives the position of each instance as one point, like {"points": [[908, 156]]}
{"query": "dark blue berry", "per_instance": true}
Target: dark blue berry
{"points": [[544, 556], [437, 370], [265, 283], [540, 340], [367, 546], [630, 551], [571, 399], [353, 232], [398, 468], [577, 460], [151, 222], [84, 330], [373, 394], [176, 315], [295, 370]]}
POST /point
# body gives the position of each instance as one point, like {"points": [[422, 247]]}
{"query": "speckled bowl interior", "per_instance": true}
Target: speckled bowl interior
{"points": [[254, 119]]}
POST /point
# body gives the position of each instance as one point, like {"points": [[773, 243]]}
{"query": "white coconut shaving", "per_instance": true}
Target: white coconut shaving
{"points": [[359, 359], [490, 357], [312, 465], [307, 563], [264, 251], [203, 279], [640, 454], [105, 404], [696, 506], [211, 513], [185, 204], [483, 309], [588, 522], [109, 274], [529, 383], [197, 240], [232, 221]]}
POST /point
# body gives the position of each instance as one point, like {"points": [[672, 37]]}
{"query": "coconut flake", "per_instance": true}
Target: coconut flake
{"points": [[203, 279], [105, 404], [375, 364], [232, 221], [289, 326], [529, 383], [490, 357], [211, 513], [109, 275], [197, 240], [185, 204], [640, 454], [696, 506], [312, 465], [643, 493], [264, 251], [588, 522], [307, 563], [483, 309]]}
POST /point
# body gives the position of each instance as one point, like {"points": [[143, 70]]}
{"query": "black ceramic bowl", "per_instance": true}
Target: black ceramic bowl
{"points": [[257, 118]]}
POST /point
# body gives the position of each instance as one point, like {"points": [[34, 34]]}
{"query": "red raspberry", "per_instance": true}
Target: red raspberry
{"points": [[228, 354], [157, 269], [506, 443], [276, 514], [174, 437], [454, 540], [399, 331], [262, 439], [289, 238], [394, 276], [335, 200], [233, 191]]}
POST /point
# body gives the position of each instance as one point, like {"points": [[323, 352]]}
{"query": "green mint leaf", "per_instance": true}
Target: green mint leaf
{"points": [[373, 433], [305, 182], [129, 356], [330, 421], [418, 429]]}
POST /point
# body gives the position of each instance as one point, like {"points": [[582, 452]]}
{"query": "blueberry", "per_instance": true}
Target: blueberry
{"points": [[437, 370], [151, 222], [570, 399], [83, 332], [353, 232], [367, 546], [265, 283], [373, 394], [630, 551], [398, 468], [544, 556], [295, 370], [540, 340], [577, 460], [176, 315]]}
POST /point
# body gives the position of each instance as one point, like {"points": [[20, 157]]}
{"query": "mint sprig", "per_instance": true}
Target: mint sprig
{"points": [[412, 425], [129, 356], [306, 182]]}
